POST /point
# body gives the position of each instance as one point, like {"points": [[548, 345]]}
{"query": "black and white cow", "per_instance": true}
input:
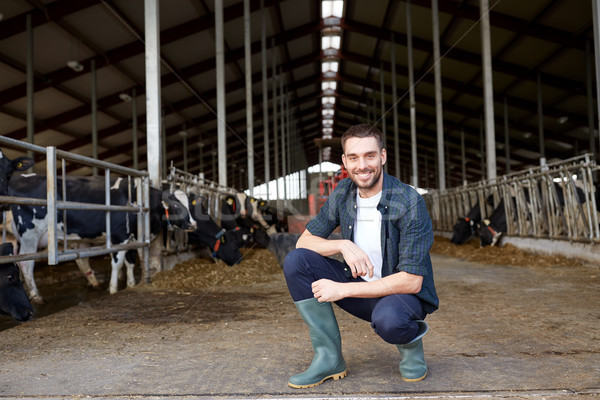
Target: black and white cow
{"points": [[31, 224], [224, 244], [7, 167], [234, 214], [467, 227], [13, 297], [493, 228]]}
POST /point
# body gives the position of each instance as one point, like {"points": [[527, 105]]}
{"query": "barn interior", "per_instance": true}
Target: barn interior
{"points": [[73, 75], [240, 94]]}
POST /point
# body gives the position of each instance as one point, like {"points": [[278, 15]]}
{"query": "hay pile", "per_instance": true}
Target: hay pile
{"points": [[505, 255], [258, 265]]}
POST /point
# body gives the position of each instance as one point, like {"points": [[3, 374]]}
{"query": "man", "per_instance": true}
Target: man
{"points": [[386, 279]]}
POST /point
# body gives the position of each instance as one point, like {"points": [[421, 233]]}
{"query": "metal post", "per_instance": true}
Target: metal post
{"points": [[107, 202], [51, 204], [94, 115], [506, 137], [395, 111], [153, 100], [275, 122], [439, 112], [383, 110], [249, 116], [30, 85], [265, 93], [411, 94], [134, 123], [283, 155], [488, 90], [596, 19], [185, 155], [540, 109], [463, 161], [163, 130], [220, 64], [590, 100]]}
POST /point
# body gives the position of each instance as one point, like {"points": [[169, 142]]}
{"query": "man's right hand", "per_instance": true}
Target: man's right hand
{"points": [[358, 261]]}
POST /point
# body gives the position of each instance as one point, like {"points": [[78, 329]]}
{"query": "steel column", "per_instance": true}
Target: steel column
{"points": [[596, 18], [274, 78], [463, 161], [590, 100], [395, 110], [488, 90], [506, 137], [265, 93], [220, 65], [153, 97], [94, 114], [439, 112], [540, 109], [134, 124], [411, 94], [249, 116], [30, 85]]}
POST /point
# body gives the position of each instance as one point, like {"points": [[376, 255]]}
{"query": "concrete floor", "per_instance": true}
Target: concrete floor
{"points": [[501, 332]]}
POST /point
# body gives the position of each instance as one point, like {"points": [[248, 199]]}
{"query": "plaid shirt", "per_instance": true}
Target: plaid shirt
{"points": [[406, 231]]}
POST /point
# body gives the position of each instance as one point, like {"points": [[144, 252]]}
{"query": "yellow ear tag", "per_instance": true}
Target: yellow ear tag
{"points": [[193, 202]]}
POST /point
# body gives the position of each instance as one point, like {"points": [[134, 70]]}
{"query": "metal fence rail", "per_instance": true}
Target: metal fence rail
{"points": [[553, 201], [139, 205]]}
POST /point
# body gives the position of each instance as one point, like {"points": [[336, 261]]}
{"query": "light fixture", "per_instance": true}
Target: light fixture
{"points": [[75, 66], [563, 119], [183, 133], [125, 97]]}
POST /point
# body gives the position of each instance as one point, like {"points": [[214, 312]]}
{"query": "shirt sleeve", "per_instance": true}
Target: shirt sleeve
{"points": [[416, 239], [326, 220]]}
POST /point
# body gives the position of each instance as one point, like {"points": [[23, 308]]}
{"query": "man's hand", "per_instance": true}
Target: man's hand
{"points": [[357, 259], [328, 290]]}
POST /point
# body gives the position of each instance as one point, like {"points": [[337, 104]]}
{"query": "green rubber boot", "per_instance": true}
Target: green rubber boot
{"points": [[328, 361], [412, 366]]}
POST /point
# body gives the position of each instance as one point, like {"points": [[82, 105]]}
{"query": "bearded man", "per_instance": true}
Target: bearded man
{"points": [[386, 277]]}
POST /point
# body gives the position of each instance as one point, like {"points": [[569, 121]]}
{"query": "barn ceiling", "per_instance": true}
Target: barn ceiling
{"points": [[539, 62]]}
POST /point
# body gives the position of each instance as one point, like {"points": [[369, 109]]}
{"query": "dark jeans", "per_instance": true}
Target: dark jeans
{"points": [[392, 317]]}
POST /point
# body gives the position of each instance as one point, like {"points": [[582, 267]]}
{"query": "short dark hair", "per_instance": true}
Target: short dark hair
{"points": [[362, 131]]}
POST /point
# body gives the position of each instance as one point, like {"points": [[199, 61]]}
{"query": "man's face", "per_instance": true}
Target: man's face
{"points": [[364, 161]]}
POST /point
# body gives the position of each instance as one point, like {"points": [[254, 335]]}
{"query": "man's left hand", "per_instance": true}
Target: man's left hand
{"points": [[327, 290]]}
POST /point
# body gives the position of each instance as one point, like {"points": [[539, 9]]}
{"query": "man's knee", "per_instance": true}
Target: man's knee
{"points": [[294, 261], [394, 329]]}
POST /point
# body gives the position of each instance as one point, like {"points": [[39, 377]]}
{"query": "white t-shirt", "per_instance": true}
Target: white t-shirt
{"points": [[367, 231]]}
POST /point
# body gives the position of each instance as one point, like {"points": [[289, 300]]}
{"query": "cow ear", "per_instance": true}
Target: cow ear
{"points": [[22, 163], [6, 249]]}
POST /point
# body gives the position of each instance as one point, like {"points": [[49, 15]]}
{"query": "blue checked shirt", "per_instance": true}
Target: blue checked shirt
{"points": [[406, 232]]}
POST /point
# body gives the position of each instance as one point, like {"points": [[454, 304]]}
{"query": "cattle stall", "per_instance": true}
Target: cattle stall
{"points": [[54, 197], [557, 201]]}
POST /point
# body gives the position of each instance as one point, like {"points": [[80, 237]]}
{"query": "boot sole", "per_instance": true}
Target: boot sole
{"points": [[335, 377], [415, 379]]}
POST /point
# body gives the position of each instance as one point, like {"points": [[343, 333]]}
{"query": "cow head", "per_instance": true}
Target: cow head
{"points": [[13, 298], [464, 229], [7, 167], [488, 236], [228, 248], [177, 210]]}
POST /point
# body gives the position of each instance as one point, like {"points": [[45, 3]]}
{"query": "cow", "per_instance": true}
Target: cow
{"points": [[467, 227], [31, 223], [224, 244], [234, 214], [493, 228], [13, 297], [271, 217], [7, 167]]}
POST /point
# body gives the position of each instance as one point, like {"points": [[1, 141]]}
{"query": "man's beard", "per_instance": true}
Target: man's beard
{"points": [[376, 175]]}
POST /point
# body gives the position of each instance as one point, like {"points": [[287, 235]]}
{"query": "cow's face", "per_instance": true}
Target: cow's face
{"points": [[464, 230], [177, 210], [488, 236], [13, 298], [229, 250], [7, 167], [198, 207]]}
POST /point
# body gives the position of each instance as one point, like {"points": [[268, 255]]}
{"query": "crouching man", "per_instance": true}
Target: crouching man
{"points": [[386, 279]]}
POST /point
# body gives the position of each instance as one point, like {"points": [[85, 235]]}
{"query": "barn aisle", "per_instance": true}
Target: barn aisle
{"points": [[505, 331]]}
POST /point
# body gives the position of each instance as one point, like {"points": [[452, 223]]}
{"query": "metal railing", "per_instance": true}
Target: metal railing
{"points": [[54, 205], [553, 201]]}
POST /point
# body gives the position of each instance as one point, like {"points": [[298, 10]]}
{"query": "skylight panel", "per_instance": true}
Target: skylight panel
{"points": [[332, 8]]}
